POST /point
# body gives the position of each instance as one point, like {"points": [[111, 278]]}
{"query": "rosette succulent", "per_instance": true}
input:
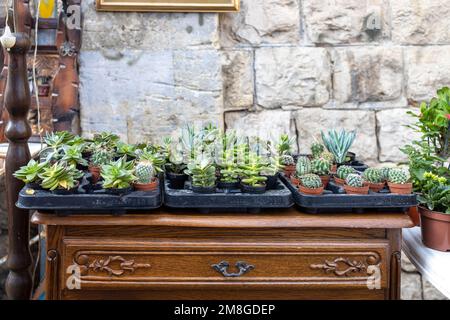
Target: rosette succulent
{"points": [[30, 173]]}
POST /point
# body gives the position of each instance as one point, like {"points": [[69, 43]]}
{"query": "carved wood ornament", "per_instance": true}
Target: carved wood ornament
{"points": [[344, 267], [112, 265]]}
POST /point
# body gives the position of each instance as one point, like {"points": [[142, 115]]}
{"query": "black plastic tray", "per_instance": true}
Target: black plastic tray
{"points": [[334, 199], [94, 202], [232, 199]]}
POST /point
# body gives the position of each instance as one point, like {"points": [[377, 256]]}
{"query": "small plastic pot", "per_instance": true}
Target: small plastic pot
{"points": [[147, 186], [66, 191], [311, 192], [228, 185], [245, 188], [435, 229], [325, 180], [176, 180], [356, 190], [289, 170], [198, 189], [33, 185], [271, 182], [95, 171], [399, 188]]}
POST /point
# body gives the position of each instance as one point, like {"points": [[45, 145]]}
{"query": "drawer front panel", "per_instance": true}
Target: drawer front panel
{"points": [[217, 264]]}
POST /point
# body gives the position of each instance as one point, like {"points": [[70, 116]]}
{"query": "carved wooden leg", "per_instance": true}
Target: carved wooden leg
{"points": [[17, 102]]}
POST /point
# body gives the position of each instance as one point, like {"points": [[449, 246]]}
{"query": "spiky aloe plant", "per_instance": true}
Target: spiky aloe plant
{"points": [[398, 176], [320, 166], [317, 149], [373, 175], [343, 171], [311, 181], [303, 166], [339, 143], [354, 180]]}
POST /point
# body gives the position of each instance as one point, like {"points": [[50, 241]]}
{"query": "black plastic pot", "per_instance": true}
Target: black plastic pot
{"points": [[116, 191], [253, 189], [271, 182], [176, 180], [63, 192], [228, 185], [33, 185], [198, 189]]}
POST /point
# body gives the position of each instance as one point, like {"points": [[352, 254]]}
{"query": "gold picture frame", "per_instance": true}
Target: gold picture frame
{"points": [[169, 5]]}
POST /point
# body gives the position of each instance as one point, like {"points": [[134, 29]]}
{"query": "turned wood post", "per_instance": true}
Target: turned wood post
{"points": [[17, 103]]}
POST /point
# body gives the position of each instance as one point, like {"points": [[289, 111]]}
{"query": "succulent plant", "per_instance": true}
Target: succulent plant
{"points": [[303, 166], [384, 172], [60, 176], [354, 180], [373, 175], [30, 172], [317, 149], [72, 155], [105, 140], [155, 158], [202, 172], [343, 171], [125, 149], [398, 176], [328, 156], [311, 181], [287, 160], [284, 146], [339, 143], [321, 166], [251, 171], [230, 173], [144, 172], [118, 174], [100, 157]]}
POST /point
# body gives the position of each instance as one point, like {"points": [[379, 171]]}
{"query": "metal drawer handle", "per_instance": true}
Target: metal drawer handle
{"points": [[240, 265]]}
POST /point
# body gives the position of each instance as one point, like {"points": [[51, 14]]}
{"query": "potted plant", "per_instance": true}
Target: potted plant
{"points": [[311, 184], [384, 174], [342, 173], [252, 181], [127, 150], [72, 155], [118, 176], [327, 155], [284, 151], [145, 176], [54, 141], [339, 144], [30, 173], [60, 178], [354, 184], [398, 181], [321, 167], [229, 176], [270, 171], [435, 212], [288, 163], [374, 179], [317, 149], [175, 168], [302, 167], [99, 158], [203, 175]]}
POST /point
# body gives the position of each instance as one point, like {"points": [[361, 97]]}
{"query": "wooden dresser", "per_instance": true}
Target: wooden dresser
{"points": [[280, 254]]}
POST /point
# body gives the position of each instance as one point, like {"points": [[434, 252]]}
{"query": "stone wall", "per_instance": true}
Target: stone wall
{"points": [[295, 66]]}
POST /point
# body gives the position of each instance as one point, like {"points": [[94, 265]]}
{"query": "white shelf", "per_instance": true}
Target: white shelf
{"points": [[432, 264]]}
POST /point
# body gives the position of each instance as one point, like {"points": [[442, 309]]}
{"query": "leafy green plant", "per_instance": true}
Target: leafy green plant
{"points": [[202, 172], [251, 171], [60, 176], [284, 145], [435, 193], [339, 143], [30, 173], [72, 155], [118, 174]]}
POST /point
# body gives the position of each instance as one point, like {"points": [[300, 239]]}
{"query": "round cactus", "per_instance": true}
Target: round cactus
{"points": [[144, 172], [344, 171], [354, 180], [384, 172], [372, 175], [303, 166], [317, 149], [311, 181], [321, 166], [398, 176], [328, 156], [287, 160]]}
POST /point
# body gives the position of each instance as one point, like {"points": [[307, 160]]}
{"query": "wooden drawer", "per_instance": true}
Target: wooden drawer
{"points": [[105, 264]]}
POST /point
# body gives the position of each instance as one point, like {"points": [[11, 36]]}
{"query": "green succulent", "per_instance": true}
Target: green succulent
{"points": [[144, 172], [311, 181], [354, 180], [399, 176], [118, 174], [328, 156], [287, 160], [72, 155], [30, 172], [343, 171], [384, 173], [373, 175], [284, 146], [202, 172], [230, 173], [339, 143], [60, 176], [251, 171], [156, 159], [321, 166], [317, 149], [104, 140], [303, 166], [55, 141], [101, 157], [125, 149]]}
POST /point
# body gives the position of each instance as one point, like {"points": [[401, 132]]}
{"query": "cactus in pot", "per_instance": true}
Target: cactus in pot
{"points": [[384, 172], [288, 163], [146, 179], [311, 184], [342, 173], [339, 143], [372, 176], [398, 181], [98, 158], [302, 167], [317, 149], [321, 167], [354, 184]]}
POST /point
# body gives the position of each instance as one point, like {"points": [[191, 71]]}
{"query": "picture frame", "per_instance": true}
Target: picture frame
{"points": [[169, 5]]}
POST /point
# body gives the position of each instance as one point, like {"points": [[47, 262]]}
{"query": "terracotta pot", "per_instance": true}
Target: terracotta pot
{"points": [[339, 181], [400, 188], [312, 192], [333, 168], [435, 229], [356, 190], [325, 180], [95, 171], [295, 181], [289, 170], [375, 187], [414, 214], [147, 186]]}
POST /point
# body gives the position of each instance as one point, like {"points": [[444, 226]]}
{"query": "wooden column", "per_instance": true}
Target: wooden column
{"points": [[17, 103]]}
